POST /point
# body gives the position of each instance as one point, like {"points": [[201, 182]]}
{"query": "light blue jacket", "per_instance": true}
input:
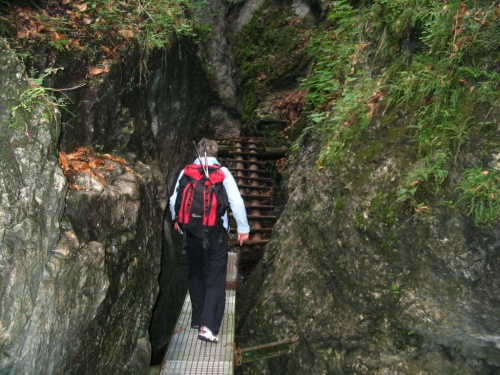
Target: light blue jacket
{"points": [[235, 201]]}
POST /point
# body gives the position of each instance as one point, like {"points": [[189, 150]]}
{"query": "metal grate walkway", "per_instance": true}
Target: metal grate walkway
{"points": [[188, 355]]}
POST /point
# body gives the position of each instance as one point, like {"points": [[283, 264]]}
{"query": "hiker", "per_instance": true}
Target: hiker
{"points": [[206, 243]]}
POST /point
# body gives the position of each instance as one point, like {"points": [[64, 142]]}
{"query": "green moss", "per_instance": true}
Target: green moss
{"points": [[268, 51], [383, 209], [339, 205], [490, 139]]}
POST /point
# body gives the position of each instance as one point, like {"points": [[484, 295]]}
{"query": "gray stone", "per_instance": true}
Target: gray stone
{"points": [[367, 289], [246, 13], [222, 69], [140, 360], [79, 268], [303, 10], [32, 191]]}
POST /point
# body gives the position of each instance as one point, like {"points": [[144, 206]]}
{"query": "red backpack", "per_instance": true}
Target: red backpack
{"points": [[201, 200]]}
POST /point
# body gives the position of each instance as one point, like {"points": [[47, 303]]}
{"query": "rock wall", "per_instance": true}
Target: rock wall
{"points": [[364, 284], [33, 189], [80, 268], [73, 261], [367, 289]]}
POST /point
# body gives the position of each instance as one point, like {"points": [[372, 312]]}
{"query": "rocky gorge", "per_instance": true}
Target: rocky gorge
{"points": [[377, 264]]}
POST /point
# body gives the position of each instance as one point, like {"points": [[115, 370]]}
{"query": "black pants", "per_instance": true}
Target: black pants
{"points": [[207, 267]]}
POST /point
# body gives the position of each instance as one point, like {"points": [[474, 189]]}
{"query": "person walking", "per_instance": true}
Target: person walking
{"points": [[206, 249]]}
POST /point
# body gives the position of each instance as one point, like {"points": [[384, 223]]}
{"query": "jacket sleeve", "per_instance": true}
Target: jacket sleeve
{"points": [[173, 197], [236, 202]]}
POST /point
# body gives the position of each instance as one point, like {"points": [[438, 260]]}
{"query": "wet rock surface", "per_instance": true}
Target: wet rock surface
{"points": [[33, 189], [79, 268], [367, 288], [121, 223], [364, 283]]}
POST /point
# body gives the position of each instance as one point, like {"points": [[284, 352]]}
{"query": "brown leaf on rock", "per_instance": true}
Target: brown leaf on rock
{"points": [[94, 163], [126, 33], [63, 160], [114, 158], [289, 106], [84, 160], [102, 178], [75, 187], [55, 36], [97, 71], [421, 209], [73, 15], [81, 7]]}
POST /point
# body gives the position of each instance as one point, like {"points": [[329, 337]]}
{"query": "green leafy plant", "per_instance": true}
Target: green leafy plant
{"points": [[429, 174], [395, 290], [35, 96], [449, 70], [266, 50], [480, 195], [102, 27], [341, 95], [431, 61]]}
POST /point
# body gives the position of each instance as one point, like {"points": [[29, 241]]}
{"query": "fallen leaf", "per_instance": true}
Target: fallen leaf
{"points": [[423, 208], [103, 180], [94, 163], [126, 33], [75, 187], [73, 15], [114, 158], [55, 36], [97, 71], [63, 160], [81, 7]]}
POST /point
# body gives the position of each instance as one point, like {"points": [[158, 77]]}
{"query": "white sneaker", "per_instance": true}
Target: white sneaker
{"points": [[207, 335]]}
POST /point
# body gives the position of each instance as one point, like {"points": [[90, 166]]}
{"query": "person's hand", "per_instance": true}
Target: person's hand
{"points": [[242, 237], [177, 227]]}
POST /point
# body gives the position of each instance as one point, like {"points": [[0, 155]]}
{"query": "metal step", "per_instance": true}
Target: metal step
{"points": [[258, 217], [259, 179], [256, 196], [247, 171], [259, 207], [241, 186], [256, 162]]}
